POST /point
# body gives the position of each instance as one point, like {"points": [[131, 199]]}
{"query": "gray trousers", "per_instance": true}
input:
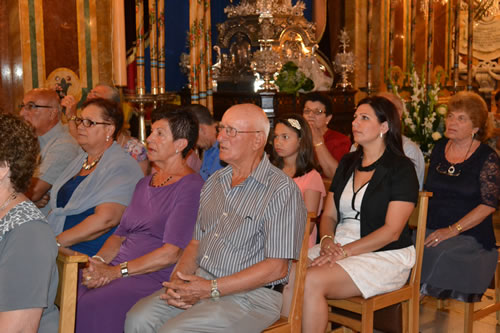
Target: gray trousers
{"points": [[250, 312]]}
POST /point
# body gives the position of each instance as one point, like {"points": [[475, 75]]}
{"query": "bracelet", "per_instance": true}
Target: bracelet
{"points": [[344, 253], [99, 257], [318, 144], [323, 238], [459, 227]]}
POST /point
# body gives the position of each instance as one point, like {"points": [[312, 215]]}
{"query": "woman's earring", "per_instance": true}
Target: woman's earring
{"points": [[381, 135], [473, 135], [177, 151], [107, 138]]}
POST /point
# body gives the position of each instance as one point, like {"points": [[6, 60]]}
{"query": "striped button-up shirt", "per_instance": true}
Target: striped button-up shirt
{"points": [[263, 217]]}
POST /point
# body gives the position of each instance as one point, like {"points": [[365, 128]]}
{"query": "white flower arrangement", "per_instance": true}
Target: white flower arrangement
{"points": [[423, 117]]}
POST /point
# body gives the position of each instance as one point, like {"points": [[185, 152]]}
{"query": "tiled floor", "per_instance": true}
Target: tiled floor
{"points": [[452, 319]]}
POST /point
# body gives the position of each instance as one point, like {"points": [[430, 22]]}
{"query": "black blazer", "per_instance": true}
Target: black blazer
{"points": [[394, 179]]}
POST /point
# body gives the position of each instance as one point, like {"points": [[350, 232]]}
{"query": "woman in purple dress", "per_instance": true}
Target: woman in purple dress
{"points": [[154, 230]]}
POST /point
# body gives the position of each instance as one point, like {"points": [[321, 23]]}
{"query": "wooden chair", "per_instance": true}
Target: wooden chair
{"points": [[409, 293], [293, 324], [67, 263], [471, 315]]}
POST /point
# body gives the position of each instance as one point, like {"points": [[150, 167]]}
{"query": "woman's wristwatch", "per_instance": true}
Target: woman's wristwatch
{"points": [[124, 269]]}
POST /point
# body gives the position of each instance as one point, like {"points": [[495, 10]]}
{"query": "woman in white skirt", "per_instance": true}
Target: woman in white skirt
{"points": [[366, 247]]}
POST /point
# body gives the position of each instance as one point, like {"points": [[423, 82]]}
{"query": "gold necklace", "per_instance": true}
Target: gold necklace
{"points": [[87, 166], [163, 183], [11, 197]]}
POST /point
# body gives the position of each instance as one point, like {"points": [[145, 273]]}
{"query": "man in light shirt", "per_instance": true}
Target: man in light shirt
{"points": [[42, 110], [250, 224]]}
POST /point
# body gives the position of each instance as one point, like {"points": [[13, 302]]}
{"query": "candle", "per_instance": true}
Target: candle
{"points": [[470, 32], [391, 33], [456, 57], [413, 31], [430, 29], [369, 10], [139, 46], [161, 46], [201, 46], [208, 51], [153, 51], [193, 37], [119, 52]]}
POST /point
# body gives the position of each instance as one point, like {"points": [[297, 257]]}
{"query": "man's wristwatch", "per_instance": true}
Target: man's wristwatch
{"points": [[215, 292], [124, 268]]}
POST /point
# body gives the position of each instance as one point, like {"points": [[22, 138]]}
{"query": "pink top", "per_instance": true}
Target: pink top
{"points": [[312, 181]]}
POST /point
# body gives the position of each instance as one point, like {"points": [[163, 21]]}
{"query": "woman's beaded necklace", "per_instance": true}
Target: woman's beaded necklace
{"points": [[87, 166], [162, 183]]}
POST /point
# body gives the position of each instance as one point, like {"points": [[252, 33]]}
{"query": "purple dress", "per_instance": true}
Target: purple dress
{"points": [[155, 216]]}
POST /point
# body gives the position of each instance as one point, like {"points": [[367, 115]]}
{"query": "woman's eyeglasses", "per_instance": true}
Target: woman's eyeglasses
{"points": [[316, 112], [88, 123]]}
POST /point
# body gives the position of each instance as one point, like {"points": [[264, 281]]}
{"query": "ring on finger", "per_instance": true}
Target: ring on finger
{"points": [[436, 240], [88, 278]]}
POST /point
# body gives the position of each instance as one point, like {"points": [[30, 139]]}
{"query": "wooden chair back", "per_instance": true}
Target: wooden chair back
{"points": [[67, 263], [409, 293], [420, 215], [293, 323]]}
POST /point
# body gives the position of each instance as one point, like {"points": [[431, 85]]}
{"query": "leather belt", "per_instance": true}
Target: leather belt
{"points": [[276, 287]]}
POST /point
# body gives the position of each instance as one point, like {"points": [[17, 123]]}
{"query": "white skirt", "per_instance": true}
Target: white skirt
{"points": [[373, 272]]}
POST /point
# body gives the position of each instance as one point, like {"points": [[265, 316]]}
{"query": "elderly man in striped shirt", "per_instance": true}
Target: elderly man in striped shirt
{"points": [[250, 224]]}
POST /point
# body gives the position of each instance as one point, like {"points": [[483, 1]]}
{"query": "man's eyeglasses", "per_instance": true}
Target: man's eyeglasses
{"points": [[88, 123], [231, 131], [316, 112], [30, 106]]}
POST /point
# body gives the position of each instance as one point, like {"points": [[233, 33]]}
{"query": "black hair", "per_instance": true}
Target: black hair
{"points": [[318, 97], [183, 125], [385, 110]]}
